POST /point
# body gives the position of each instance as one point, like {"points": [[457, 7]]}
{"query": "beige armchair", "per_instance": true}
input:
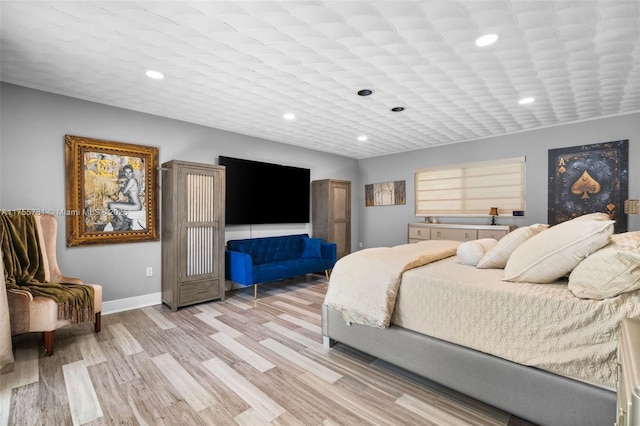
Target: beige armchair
{"points": [[29, 314]]}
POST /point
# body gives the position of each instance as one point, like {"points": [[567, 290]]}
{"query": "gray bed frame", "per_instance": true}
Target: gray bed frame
{"points": [[530, 393]]}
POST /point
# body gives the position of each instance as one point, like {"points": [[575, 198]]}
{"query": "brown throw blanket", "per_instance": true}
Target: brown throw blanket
{"points": [[23, 268]]}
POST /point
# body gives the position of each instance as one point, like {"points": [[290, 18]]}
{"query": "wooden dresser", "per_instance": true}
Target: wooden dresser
{"points": [[447, 231]]}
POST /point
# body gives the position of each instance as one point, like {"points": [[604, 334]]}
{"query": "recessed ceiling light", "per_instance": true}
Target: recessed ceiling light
{"points": [[397, 109], [156, 75], [365, 92], [525, 101], [362, 138], [486, 40], [289, 116]]}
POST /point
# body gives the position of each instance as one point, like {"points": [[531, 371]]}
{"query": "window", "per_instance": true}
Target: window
{"points": [[471, 189]]}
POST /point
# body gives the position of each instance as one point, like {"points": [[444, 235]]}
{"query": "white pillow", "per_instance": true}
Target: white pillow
{"points": [[470, 252], [552, 254], [593, 216], [610, 271], [497, 257]]}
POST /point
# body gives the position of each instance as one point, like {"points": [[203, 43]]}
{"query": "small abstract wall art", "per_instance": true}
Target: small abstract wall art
{"points": [[385, 193], [587, 179]]}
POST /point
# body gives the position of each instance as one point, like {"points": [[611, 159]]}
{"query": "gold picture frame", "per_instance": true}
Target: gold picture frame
{"points": [[111, 192]]}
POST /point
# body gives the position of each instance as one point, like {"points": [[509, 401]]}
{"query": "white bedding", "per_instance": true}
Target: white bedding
{"points": [[539, 325], [364, 285]]}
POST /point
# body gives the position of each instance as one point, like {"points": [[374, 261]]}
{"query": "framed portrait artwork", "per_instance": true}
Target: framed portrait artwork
{"points": [[112, 192], [588, 179]]}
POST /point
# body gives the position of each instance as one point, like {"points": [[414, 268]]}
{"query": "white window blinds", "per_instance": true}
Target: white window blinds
{"points": [[471, 189]]}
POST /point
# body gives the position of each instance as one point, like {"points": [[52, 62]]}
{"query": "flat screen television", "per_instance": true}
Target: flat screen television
{"points": [[262, 193]]}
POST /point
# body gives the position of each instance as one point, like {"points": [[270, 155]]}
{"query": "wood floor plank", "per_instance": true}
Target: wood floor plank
{"points": [[230, 362], [296, 337], [430, 412], [295, 299], [83, 399], [208, 309], [156, 316], [5, 403], [189, 388], [304, 311], [265, 407], [250, 357], [25, 408], [370, 413], [301, 322], [217, 415], [301, 361], [90, 349], [218, 325], [125, 339]]}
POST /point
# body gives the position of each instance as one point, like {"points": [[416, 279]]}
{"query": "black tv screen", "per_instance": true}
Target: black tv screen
{"points": [[261, 193]]}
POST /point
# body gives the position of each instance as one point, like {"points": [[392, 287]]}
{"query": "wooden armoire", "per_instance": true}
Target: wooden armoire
{"points": [[331, 213], [193, 197]]}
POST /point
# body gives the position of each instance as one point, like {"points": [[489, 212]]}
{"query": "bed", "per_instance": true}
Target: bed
{"points": [[534, 334]]}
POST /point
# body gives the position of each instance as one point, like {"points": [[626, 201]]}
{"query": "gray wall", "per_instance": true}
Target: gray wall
{"points": [[387, 225], [32, 173], [33, 125]]}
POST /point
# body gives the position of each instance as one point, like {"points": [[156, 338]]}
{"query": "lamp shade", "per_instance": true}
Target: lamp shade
{"points": [[493, 211]]}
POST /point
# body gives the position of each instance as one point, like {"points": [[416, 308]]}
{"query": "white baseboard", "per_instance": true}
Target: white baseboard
{"points": [[113, 306]]}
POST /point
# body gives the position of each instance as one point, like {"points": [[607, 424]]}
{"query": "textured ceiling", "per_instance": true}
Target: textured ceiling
{"points": [[240, 65]]}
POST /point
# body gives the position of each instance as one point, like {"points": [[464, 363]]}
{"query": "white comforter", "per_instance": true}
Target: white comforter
{"points": [[364, 285]]}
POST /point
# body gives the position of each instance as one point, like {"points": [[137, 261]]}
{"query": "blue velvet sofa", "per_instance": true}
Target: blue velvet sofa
{"points": [[253, 261]]}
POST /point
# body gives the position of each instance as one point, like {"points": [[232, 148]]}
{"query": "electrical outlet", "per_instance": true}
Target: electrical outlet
{"points": [[360, 244], [149, 271]]}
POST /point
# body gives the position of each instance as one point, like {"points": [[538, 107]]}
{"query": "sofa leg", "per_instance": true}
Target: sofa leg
{"points": [[97, 324], [255, 292], [326, 273], [49, 342]]}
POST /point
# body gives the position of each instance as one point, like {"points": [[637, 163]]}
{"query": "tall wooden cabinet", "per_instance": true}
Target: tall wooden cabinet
{"points": [[193, 197], [331, 213]]}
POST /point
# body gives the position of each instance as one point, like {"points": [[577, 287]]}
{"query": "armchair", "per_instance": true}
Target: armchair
{"points": [[29, 314]]}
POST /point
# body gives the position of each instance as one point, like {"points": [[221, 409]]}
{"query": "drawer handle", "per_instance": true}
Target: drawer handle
{"points": [[419, 232], [466, 235], [438, 233]]}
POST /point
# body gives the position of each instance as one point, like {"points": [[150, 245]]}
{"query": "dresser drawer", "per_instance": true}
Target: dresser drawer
{"points": [[454, 234], [419, 233], [495, 234], [199, 291], [457, 232]]}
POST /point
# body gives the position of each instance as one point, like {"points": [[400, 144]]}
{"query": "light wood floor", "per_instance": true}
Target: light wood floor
{"points": [[236, 362]]}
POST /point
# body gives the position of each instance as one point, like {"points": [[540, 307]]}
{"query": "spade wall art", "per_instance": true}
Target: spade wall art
{"points": [[587, 179]]}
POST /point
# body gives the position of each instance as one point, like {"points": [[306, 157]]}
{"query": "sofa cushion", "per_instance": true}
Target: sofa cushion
{"points": [[311, 247], [270, 249], [275, 271]]}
